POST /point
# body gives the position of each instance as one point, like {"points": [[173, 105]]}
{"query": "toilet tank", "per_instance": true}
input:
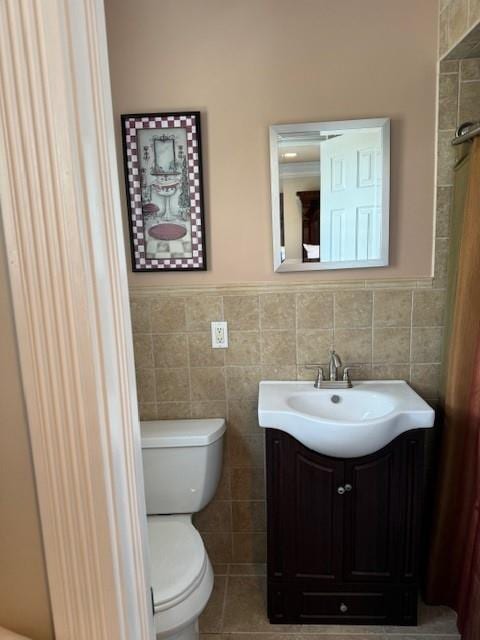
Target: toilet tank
{"points": [[182, 463]]}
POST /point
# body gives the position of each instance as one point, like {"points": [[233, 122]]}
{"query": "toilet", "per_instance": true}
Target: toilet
{"points": [[182, 463]]}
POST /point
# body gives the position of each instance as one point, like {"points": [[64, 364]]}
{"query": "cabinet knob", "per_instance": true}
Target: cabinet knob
{"points": [[341, 490], [343, 608], [348, 487]]}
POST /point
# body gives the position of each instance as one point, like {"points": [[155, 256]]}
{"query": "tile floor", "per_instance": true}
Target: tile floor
{"points": [[237, 611]]}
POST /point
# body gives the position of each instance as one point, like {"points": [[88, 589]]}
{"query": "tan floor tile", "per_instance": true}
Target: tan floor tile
{"points": [[211, 620], [246, 609]]}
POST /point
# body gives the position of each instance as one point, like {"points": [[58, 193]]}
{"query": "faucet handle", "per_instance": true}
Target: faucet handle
{"points": [[346, 374]]}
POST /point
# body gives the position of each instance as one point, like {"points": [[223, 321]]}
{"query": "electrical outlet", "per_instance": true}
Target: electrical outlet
{"points": [[219, 335]]}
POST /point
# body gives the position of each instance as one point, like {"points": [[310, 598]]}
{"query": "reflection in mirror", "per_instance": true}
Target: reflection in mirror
{"points": [[330, 194]]}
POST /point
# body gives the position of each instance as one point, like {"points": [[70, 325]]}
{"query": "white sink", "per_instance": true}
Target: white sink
{"points": [[344, 423]]}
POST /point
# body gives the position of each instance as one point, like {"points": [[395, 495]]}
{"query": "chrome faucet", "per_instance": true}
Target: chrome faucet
{"points": [[335, 362], [334, 382]]}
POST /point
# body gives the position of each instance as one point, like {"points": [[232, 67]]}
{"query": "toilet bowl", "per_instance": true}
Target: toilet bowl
{"points": [[182, 462]]}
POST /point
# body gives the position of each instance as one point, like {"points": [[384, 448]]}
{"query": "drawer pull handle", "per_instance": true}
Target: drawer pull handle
{"points": [[341, 490], [343, 608], [348, 487]]}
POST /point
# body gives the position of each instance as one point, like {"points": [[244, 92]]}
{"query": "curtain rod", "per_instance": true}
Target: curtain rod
{"points": [[466, 131]]}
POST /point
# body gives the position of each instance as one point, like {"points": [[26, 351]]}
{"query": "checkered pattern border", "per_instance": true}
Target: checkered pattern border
{"points": [[161, 122]]}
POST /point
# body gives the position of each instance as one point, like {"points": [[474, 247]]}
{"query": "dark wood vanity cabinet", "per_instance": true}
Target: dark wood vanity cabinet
{"points": [[343, 535]]}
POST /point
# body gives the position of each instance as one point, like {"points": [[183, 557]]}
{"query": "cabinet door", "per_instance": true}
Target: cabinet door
{"points": [[372, 517], [305, 510]]}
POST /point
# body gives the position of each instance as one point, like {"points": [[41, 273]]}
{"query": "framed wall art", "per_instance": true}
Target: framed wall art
{"points": [[163, 175]]}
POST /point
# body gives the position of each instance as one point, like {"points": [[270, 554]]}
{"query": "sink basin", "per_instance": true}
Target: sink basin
{"points": [[343, 423]]}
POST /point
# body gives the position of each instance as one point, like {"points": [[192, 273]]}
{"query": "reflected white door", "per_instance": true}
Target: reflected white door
{"points": [[350, 197]]}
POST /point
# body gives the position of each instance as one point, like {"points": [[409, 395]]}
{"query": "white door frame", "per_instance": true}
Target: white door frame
{"points": [[61, 213]]}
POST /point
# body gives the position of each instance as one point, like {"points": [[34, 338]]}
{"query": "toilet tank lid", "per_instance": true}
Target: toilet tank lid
{"points": [[181, 433]]}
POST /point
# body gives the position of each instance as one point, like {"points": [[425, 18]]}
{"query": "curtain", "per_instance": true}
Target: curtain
{"points": [[454, 564]]}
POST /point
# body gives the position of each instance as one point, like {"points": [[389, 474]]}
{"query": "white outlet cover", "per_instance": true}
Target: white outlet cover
{"points": [[219, 335]]}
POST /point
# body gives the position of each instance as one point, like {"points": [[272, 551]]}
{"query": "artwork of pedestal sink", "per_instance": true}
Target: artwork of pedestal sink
{"points": [[164, 191]]}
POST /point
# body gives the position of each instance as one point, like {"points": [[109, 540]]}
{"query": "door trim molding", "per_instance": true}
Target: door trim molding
{"points": [[62, 219]]}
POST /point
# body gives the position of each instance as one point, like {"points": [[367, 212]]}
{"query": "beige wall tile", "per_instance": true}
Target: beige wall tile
{"points": [[277, 311], [143, 350], [243, 347], [391, 345], [425, 379], [241, 312], [170, 350], [217, 516], [218, 546], [313, 346], [307, 374], [354, 345], [147, 411], [209, 409], [443, 32], [361, 371], [444, 208], [449, 66], [208, 383], [140, 314], [247, 483], [391, 372], [167, 314], [279, 372], [246, 450], [201, 353], [446, 158], [429, 308], [250, 569], [314, 310], [448, 101], [392, 308], [224, 486], [243, 416], [427, 344], [201, 310], [441, 263], [353, 309], [470, 68], [172, 384], [249, 547], [242, 382], [248, 516], [173, 410], [146, 385], [457, 20], [474, 11], [278, 347], [469, 109]]}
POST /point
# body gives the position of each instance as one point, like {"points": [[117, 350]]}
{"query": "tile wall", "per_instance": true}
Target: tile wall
{"points": [[383, 332]]}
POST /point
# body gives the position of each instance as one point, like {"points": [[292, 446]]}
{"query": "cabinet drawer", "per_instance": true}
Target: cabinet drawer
{"points": [[316, 605]]}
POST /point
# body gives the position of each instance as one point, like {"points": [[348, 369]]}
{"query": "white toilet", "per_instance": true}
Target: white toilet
{"points": [[182, 463]]}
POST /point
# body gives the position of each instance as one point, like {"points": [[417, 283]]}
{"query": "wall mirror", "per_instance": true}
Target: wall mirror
{"points": [[330, 194]]}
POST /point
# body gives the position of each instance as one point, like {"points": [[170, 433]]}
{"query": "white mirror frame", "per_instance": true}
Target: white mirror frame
{"points": [[384, 125]]}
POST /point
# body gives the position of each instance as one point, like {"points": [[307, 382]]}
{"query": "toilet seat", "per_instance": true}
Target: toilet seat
{"points": [[178, 559]]}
